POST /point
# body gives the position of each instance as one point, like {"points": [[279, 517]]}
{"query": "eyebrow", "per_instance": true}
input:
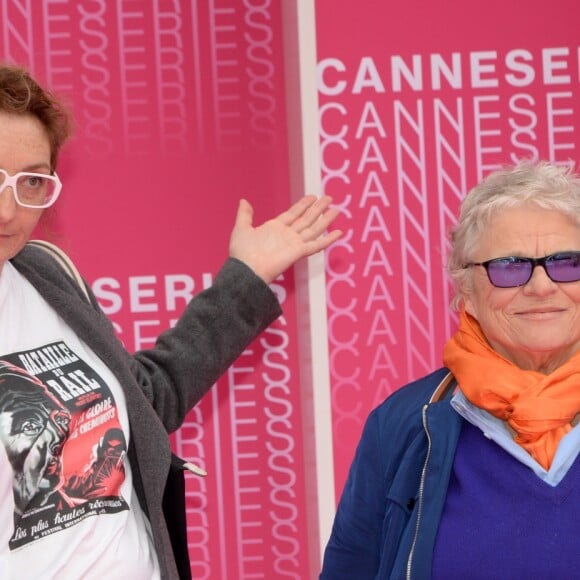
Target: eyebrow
{"points": [[36, 167]]}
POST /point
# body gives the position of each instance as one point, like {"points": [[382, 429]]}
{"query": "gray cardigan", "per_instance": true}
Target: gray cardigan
{"points": [[162, 384]]}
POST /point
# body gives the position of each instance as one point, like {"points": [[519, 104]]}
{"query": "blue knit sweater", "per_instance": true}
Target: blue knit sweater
{"points": [[502, 521]]}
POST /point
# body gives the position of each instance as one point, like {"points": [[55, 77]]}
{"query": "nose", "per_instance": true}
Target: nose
{"points": [[540, 283], [8, 205]]}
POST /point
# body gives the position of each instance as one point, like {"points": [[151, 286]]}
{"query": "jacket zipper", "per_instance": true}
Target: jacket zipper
{"points": [[420, 493]]}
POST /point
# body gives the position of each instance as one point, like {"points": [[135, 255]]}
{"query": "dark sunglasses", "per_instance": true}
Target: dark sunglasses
{"points": [[513, 271]]}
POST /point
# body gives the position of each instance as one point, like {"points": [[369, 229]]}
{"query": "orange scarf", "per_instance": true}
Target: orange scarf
{"points": [[538, 407]]}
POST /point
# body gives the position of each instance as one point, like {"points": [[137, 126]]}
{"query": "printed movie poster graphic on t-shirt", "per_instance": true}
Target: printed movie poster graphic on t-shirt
{"points": [[60, 428]]}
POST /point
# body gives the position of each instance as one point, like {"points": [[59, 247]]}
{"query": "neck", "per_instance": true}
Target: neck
{"points": [[540, 362]]}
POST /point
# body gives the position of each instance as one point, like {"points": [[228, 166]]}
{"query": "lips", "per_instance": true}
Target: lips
{"points": [[540, 312]]}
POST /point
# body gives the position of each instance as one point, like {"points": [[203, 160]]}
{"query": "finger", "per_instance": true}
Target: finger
{"points": [[297, 210], [313, 213], [321, 243], [322, 222], [245, 214], [310, 215]]}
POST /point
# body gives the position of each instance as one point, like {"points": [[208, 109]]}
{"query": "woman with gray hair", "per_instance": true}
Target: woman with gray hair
{"points": [[470, 472]]}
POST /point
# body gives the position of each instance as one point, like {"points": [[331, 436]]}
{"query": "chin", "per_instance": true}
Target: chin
{"points": [[7, 253]]}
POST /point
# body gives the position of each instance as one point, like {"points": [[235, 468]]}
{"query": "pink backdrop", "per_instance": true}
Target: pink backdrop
{"points": [[181, 110], [418, 100]]}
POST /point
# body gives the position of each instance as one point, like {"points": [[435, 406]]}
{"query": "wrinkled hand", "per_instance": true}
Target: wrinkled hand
{"points": [[274, 246]]}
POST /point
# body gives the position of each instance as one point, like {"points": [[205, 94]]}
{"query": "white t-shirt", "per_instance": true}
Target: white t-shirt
{"points": [[67, 505]]}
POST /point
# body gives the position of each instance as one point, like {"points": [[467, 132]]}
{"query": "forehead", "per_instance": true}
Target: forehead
{"points": [[528, 231], [23, 142]]}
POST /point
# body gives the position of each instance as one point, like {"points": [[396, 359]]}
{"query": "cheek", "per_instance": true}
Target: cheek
{"points": [[28, 221], [484, 301], [32, 219], [474, 299], [572, 291]]}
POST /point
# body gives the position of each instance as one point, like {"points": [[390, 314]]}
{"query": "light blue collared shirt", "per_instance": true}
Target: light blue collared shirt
{"points": [[496, 430]]}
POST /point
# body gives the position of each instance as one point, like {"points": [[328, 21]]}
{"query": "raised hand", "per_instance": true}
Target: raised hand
{"points": [[274, 246]]}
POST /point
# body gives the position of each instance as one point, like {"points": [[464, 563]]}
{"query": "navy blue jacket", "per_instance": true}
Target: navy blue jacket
{"points": [[387, 518]]}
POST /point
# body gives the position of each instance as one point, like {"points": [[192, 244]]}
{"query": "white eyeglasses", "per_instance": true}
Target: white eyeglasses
{"points": [[36, 190]]}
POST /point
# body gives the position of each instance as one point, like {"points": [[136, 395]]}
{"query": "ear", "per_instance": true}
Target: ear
{"points": [[468, 305], [466, 291]]}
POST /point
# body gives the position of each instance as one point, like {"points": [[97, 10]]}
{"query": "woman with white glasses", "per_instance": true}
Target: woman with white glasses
{"points": [[473, 471], [85, 460]]}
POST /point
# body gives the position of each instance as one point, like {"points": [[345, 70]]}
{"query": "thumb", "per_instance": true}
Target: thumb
{"points": [[245, 214]]}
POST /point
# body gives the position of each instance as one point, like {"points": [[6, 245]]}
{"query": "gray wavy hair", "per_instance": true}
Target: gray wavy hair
{"points": [[548, 186]]}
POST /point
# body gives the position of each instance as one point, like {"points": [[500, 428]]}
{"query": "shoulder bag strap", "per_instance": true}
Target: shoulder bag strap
{"points": [[64, 261]]}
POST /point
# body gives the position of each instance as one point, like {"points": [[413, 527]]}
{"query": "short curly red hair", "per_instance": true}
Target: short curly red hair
{"points": [[20, 94]]}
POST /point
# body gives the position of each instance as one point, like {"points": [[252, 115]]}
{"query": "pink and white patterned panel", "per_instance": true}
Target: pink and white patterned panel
{"points": [[417, 102], [180, 111]]}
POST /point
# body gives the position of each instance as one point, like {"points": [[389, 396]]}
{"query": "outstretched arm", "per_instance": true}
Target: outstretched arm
{"points": [[274, 246]]}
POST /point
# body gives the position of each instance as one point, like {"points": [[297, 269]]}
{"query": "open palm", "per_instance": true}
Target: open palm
{"points": [[274, 246]]}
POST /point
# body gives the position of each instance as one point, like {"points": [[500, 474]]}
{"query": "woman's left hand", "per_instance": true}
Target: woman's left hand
{"points": [[274, 246]]}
